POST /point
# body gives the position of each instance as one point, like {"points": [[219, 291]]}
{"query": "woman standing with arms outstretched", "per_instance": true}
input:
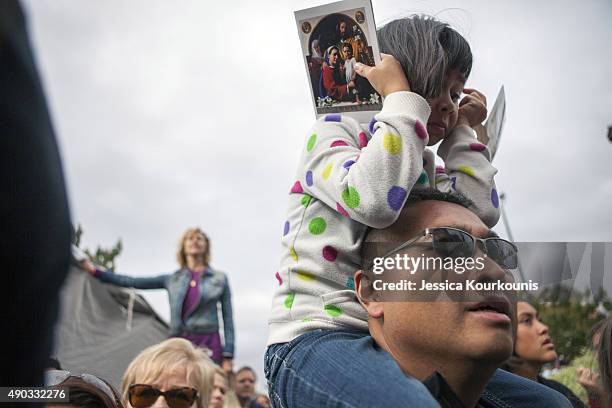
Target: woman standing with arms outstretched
{"points": [[194, 292]]}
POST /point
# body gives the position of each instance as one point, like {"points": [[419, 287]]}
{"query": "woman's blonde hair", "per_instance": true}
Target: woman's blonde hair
{"points": [[175, 353], [180, 254]]}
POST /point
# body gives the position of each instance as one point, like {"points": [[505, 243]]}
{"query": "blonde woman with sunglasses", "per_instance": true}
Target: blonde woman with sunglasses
{"points": [[173, 373]]}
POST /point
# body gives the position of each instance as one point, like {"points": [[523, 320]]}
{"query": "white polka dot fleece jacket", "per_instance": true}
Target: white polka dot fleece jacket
{"points": [[348, 180]]}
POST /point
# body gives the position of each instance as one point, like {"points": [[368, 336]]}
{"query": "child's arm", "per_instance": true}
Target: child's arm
{"points": [[368, 184], [468, 167]]}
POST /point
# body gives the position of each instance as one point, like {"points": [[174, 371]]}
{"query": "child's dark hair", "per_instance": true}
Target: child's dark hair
{"points": [[427, 49]]}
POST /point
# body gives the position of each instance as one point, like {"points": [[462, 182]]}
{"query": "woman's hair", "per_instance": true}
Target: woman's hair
{"points": [[427, 50], [84, 394], [604, 357], [163, 358], [180, 254]]}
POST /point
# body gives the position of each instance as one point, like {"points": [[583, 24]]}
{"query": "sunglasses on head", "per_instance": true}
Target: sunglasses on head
{"points": [[144, 395], [58, 377], [455, 243]]}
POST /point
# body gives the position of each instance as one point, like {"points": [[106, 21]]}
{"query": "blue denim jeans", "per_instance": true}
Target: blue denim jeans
{"points": [[341, 368]]}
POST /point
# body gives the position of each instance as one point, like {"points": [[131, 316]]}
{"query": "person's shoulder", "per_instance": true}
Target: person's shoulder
{"points": [[254, 404], [561, 388], [177, 274], [216, 272]]}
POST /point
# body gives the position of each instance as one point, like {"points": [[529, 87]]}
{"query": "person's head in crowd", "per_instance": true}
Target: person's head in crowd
{"points": [[263, 400], [437, 62], [604, 358], [218, 388], [245, 384], [533, 346], [84, 390], [347, 50], [343, 29], [172, 373], [464, 341], [193, 243], [53, 364], [332, 57]]}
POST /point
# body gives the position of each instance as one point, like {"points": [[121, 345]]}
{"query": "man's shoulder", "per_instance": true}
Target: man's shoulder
{"points": [[253, 404]]}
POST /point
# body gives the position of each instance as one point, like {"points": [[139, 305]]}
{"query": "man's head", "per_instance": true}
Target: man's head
{"points": [[342, 28], [245, 383], [438, 330]]}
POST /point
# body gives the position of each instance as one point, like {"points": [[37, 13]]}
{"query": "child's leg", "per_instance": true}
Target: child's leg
{"points": [[326, 368]]}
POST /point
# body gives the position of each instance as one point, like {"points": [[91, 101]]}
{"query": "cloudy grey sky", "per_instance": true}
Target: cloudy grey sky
{"points": [[173, 114]]}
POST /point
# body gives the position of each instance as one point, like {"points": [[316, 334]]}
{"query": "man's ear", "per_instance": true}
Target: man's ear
{"points": [[362, 288]]}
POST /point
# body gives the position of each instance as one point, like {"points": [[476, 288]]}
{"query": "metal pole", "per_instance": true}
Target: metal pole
{"points": [[502, 197]]}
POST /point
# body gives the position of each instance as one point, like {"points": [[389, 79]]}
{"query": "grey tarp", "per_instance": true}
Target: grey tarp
{"points": [[92, 334]]}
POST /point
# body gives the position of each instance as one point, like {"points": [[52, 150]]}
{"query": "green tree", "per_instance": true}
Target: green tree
{"points": [[104, 257]]}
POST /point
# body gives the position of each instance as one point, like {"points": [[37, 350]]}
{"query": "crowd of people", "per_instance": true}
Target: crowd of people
{"points": [[174, 373], [331, 341]]}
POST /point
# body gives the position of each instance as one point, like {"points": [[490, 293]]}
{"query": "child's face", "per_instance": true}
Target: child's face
{"points": [[348, 52], [444, 108]]}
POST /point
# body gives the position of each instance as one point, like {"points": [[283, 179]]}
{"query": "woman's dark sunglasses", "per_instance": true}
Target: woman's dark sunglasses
{"points": [[144, 395], [455, 243]]}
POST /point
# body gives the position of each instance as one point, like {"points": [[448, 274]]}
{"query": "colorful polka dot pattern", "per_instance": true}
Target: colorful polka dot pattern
{"points": [[341, 210], [294, 254], [333, 310], [440, 170], [286, 228], [477, 147], [392, 143], [278, 278], [363, 140], [337, 143], [312, 140], [306, 199], [350, 283], [466, 170], [334, 117], [453, 183], [327, 171], [289, 300], [396, 197], [309, 180], [317, 226], [347, 164], [330, 253], [351, 198], [423, 178], [297, 188], [305, 276], [371, 125], [494, 198], [420, 130]]}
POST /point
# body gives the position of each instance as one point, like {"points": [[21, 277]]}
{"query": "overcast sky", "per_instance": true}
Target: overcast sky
{"points": [[175, 114]]}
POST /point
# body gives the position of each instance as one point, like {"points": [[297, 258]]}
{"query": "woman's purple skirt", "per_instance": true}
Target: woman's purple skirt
{"points": [[211, 342]]}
